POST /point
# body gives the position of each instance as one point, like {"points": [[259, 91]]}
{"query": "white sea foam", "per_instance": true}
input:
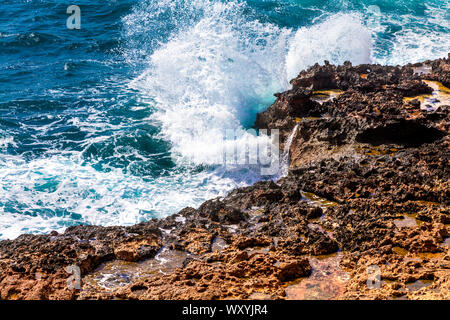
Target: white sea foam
{"points": [[52, 193], [209, 66], [214, 73], [222, 68], [6, 141], [339, 38], [418, 38]]}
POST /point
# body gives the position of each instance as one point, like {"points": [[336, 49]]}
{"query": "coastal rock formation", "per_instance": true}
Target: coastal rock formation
{"points": [[363, 213]]}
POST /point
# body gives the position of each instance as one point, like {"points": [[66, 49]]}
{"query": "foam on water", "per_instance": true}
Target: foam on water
{"points": [[56, 192], [221, 67], [339, 38], [213, 69], [417, 32]]}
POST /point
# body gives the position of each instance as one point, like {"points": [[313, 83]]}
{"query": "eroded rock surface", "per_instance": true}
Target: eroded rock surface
{"points": [[368, 189]]}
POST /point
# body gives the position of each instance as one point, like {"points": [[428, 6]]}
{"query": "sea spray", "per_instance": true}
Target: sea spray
{"points": [[218, 70], [99, 129]]}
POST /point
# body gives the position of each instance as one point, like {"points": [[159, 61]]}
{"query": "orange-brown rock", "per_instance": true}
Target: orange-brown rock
{"points": [[363, 213]]}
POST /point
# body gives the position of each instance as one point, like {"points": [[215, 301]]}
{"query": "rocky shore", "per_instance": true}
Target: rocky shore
{"points": [[364, 212]]}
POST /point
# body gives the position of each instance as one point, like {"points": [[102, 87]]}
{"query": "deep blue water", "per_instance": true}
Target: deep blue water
{"points": [[97, 125]]}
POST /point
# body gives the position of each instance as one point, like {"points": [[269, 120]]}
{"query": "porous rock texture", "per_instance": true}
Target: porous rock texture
{"points": [[368, 183]]}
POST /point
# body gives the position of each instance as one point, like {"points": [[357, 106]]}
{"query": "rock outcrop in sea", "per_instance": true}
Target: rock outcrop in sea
{"points": [[363, 212]]}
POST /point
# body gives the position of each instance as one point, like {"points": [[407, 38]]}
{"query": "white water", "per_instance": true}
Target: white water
{"points": [[339, 38], [222, 69], [215, 71]]}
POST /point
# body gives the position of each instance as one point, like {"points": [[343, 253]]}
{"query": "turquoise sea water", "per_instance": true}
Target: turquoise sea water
{"points": [[97, 125]]}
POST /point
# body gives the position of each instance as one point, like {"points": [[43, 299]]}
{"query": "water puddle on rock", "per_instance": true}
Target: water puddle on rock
{"points": [[400, 251], [321, 229], [318, 201], [419, 284], [118, 273], [323, 96], [427, 203], [446, 242], [324, 204], [414, 286], [218, 244], [430, 255], [431, 102], [417, 256], [327, 281]]}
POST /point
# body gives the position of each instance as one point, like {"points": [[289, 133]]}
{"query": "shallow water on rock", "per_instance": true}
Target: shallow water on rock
{"points": [[327, 280], [118, 273], [258, 250], [400, 251], [369, 150], [446, 242], [417, 256], [319, 228], [218, 244], [419, 284]]}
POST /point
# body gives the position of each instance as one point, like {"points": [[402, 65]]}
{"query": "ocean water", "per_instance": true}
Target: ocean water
{"points": [[122, 120]]}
